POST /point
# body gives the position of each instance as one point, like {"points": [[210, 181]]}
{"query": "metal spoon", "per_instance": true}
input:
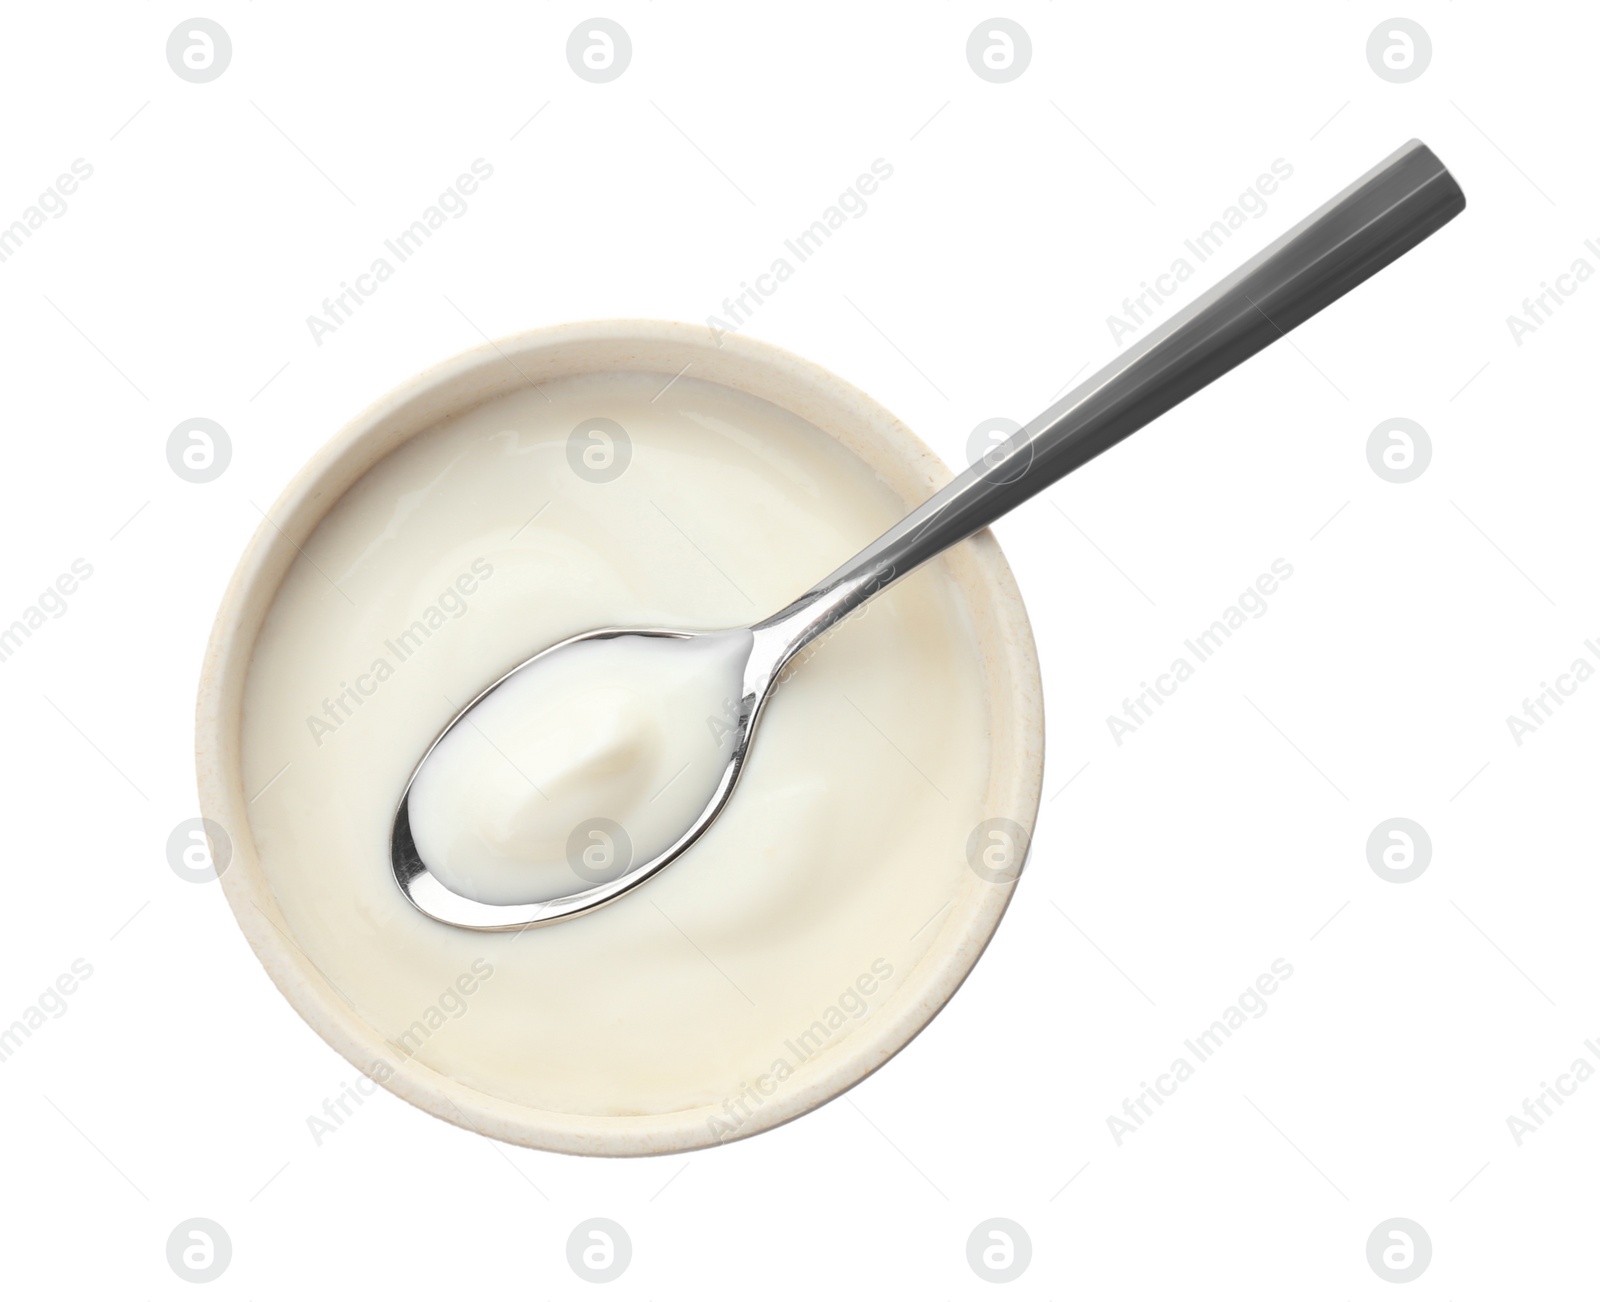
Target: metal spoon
{"points": [[1395, 206]]}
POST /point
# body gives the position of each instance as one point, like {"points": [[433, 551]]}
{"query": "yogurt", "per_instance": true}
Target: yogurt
{"points": [[596, 757]]}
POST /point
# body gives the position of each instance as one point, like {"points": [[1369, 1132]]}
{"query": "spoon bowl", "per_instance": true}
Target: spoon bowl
{"points": [[429, 892]]}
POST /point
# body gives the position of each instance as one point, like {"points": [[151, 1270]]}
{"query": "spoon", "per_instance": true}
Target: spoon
{"points": [[1395, 206]]}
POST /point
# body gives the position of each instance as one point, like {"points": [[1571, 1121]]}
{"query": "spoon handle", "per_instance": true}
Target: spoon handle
{"points": [[1393, 207]]}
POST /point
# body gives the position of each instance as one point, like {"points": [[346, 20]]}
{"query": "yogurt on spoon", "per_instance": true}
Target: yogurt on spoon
{"points": [[567, 773]]}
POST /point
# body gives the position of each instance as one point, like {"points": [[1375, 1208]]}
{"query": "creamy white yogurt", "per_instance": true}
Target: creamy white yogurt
{"points": [[774, 940], [595, 758]]}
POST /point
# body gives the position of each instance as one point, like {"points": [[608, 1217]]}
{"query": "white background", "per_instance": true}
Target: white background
{"points": [[1228, 832]]}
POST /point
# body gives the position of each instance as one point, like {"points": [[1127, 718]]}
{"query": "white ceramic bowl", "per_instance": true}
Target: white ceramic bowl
{"points": [[1009, 671]]}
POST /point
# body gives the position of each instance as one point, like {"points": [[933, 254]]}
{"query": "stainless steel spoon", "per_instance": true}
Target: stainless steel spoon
{"points": [[1395, 206]]}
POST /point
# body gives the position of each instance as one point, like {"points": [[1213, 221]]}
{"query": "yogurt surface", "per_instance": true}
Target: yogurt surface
{"points": [[776, 938]]}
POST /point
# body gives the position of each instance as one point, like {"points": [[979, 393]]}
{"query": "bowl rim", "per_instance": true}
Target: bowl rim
{"points": [[989, 595]]}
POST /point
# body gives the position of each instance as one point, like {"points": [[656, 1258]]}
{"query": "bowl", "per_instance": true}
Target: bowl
{"points": [[1003, 660]]}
